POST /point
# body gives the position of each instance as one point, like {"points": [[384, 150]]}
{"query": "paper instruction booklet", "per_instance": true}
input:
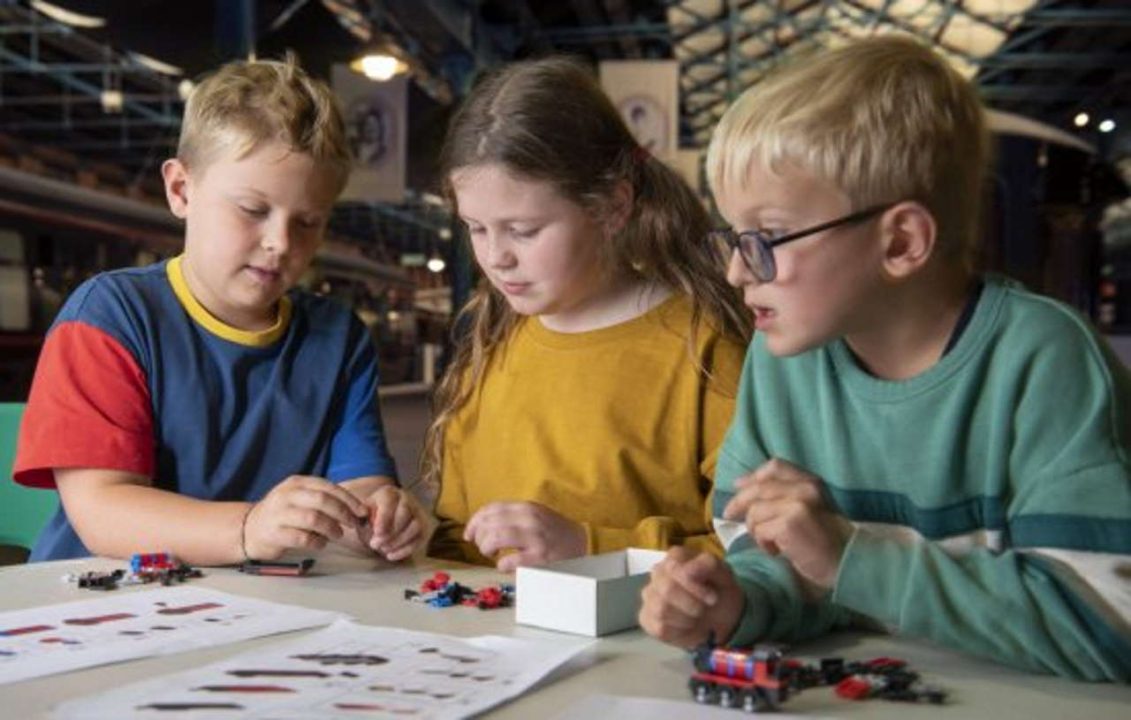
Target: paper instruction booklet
{"points": [[127, 625], [344, 671]]}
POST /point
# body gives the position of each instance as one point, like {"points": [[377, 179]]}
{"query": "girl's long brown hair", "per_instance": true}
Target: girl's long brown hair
{"points": [[549, 120]]}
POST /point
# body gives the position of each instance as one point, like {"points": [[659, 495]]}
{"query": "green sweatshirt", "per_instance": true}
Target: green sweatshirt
{"points": [[991, 494]]}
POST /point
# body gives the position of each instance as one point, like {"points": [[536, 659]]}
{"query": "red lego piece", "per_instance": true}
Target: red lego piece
{"points": [[883, 664], [854, 687], [437, 582], [489, 598]]}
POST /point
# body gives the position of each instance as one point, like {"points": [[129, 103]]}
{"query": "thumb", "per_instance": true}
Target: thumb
{"points": [[511, 560], [696, 577]]}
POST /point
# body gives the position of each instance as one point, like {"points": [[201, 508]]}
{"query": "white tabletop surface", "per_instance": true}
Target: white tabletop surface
{"points": [[626, 664]]}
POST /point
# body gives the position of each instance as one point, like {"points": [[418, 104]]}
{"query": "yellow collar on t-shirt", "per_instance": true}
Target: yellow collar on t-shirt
{"points": [[253, 338]]}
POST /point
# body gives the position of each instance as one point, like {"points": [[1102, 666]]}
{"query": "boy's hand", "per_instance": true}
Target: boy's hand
{"points": [[786, 513], [396, 525], [536, 533], [690, 595], [300, 512]]}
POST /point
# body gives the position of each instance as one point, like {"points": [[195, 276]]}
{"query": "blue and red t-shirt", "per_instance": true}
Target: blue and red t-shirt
{"points": [[135, 375]]}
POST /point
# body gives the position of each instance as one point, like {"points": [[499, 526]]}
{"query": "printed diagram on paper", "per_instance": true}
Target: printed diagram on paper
{"points": [[344, 671], [58, 638]]}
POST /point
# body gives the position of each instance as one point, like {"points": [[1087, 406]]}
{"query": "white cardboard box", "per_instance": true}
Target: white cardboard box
{"points": [[593, 595]]}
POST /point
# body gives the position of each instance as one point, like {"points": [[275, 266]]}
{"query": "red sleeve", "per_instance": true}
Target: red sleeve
{"points": [[88, 408]]}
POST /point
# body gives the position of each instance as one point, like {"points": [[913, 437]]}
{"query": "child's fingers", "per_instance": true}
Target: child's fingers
{"points": [[354, 509], [400, 552], [680, 601], [406, 538], [478, 519], [310, 520], [763, 491], [383, 518], [494, 538], [694, 576], [326, 499], [403, 515], [299, 538], [668, 611], [767, 532], [510, 562], [774, 469], [740, 503], [405, 543], [475, 525]]}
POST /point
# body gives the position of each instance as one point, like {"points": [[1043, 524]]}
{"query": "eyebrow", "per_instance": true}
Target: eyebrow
{"points": [[505, 220]]}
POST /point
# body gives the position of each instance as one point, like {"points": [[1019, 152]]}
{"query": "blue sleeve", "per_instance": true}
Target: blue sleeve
{"points": [[358, 448]]}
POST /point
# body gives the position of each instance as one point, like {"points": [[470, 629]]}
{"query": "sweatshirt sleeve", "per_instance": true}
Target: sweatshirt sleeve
{"points": [[775, 608], [1056, 597]]}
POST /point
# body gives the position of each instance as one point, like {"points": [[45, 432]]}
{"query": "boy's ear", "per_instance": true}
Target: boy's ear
{"points": [[910, 235], [175, 174]]}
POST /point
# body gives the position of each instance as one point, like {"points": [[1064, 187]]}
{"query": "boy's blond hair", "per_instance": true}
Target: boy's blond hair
{"points": [[244, 104], [884, 119]]}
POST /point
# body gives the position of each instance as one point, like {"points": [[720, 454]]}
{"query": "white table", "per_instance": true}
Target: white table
{"points": [[629, 664]]}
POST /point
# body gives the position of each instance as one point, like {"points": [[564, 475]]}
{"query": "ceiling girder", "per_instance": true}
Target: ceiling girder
{"points": [[1024, 51]]}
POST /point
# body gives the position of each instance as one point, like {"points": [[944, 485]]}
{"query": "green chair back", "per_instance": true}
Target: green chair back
{"points": [[23, 511]]}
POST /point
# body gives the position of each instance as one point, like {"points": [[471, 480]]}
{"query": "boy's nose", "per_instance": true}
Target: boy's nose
{"points": [[277, 238], [738, 274]]}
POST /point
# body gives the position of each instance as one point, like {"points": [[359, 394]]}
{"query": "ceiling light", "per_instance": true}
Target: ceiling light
{"points": [[112, 101], [156, 65], [65, 16], [1107, 126], [379, 66], [436, 264], [1081, 119]]}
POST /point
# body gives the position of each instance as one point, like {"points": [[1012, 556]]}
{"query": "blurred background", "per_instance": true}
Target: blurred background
{"points": [[91, 94]]}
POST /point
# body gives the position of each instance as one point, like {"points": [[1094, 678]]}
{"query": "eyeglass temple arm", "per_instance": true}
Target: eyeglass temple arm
{"points": [[860, 215]]}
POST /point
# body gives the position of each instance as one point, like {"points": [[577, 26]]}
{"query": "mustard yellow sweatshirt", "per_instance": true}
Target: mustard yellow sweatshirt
{"points": [[617, 429]]}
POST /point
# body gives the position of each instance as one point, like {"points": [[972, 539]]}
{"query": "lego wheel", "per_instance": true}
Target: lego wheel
{"points": [[701, 691], [750, 702], [726, 698]]}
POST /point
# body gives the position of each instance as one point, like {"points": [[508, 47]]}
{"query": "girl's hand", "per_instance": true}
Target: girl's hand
{"points": [[536, 534], [300, 512], [396, 525]]}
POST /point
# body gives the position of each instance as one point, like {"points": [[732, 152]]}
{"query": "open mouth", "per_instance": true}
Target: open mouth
{"points": [[763, 315]]}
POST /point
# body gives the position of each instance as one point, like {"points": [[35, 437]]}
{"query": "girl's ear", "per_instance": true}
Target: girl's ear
{"points": [[619, 208], [909, 236], [176, 177]]}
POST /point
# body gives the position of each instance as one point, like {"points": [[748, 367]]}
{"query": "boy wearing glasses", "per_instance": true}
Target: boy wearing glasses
{"points": [[941, 453]]}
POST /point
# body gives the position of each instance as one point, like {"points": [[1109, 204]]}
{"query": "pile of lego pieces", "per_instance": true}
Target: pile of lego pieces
{"points": [[883, 677], [441, 591], [144, 568]]}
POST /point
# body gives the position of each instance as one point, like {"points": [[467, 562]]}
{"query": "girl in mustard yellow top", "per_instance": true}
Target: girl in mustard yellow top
{"points": [[587, 399]]}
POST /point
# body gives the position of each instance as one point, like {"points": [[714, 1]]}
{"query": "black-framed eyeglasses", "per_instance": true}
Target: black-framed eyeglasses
{"points": [[757, 246]]}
